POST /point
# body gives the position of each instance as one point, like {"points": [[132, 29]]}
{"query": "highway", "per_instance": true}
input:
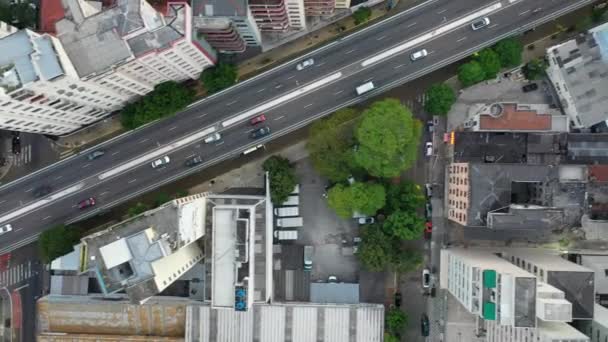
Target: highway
{"points": [[290, 99]]}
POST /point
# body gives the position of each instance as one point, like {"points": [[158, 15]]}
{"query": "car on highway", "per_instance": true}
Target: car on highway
{"points": [[193, 161], [213, 138], [425, 325], [258, 119], [305, 64], [529, 87], [95, 154], [426, 278], [160, 162], [480, 23], [428, 148], [86, 203], [42, 191], [418, 55], [5, 229], [260, 132]]}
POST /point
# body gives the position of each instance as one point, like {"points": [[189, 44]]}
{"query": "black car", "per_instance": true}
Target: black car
{"points": [[16, 145], [260, 132], [424, 325], [529, 87], [398, 299], [42, 191], [193, 161]]}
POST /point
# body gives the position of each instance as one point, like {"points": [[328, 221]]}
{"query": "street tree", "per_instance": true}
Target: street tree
{"points": [[489, 62], [375, 251], [57, 241], [471, 73], [365, 198], [405, 260], [396, 320], [137, 209], [439, 99], [534, 69], [405, 196], [282, 178], [219, 77], [388, 138], [404, 225], [509, 50], [362, 14]]}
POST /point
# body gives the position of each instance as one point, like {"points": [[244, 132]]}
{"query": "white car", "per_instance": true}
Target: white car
{"points": [[212, 138], [305, 64], [366, 220], [480, 23], [418, 55], [5, 229], [160, 162], [426, 278], [429, 148]]}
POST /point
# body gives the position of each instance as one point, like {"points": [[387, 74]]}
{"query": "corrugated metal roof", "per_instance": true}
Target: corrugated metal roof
{"points": [[336, 325], [373, 321], [304, 324], [276, 330]]}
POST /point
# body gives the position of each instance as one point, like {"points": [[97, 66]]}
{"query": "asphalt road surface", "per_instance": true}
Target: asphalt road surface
{"points": [[289, 98]]}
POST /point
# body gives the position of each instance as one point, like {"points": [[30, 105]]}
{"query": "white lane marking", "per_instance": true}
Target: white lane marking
{"points": [[339, 91], [279, 118], [2, 201], [320, 64], [103, 193], [231, 103], [461, 39], [349, 51], [132, 180], [202, 115], [380, 38], [398, 66], [278, 86], [430, 35], [86, 165], [524, 12], [431, 52], [412, 24], [367, 80], [46, 218], [143, 140], [308, 105], [443, 10], [492, 26], [290, 77], [18, 229], [261, 90], [219, 143], [30, 189], [75, 205], [58, 177], [115, 153], [172, 128]]}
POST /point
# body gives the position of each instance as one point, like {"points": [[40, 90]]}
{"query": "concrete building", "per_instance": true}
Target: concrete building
{"points": [[228, 26], [271, 15], [512, 304], [342, 4], [296, 14], [515, 117], [597, 329], [320, 7], [578, 71]]}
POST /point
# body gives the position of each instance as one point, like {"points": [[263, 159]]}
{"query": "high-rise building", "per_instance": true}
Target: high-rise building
{"points": [[270, 15], [319, 7]]}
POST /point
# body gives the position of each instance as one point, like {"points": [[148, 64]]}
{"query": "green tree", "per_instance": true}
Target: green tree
{"points": [[220, 77], [489, 62], [365, 198], [161, 199], [439, 99], [396, 320], [282, 178], [390, 338], [362, 14], [534, 69], [405, 225], [137, 209], [405, 261], [471, 73], [376, 249], [406, 196], [388, 137], [509, 50], [57, 241], [330, 144]]}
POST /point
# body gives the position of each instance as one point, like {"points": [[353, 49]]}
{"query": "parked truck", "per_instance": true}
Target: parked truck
{"points": [[286, 211], [292, 200], [290, 222], [308, 251], [282, 235]]}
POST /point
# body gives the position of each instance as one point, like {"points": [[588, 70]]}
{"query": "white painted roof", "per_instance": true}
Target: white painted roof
{"points": [[115, 253]]}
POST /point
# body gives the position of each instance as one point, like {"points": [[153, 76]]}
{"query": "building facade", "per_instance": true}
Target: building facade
{"points": [[319, 7], [270, 15], [296, 14]]}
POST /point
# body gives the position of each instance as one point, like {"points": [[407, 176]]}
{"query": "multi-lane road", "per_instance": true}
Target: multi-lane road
{"points": [[289, 98]]}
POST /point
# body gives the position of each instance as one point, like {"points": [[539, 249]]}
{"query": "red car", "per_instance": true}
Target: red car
{"points": [[258, 119], [428, 230], [89, 202]]}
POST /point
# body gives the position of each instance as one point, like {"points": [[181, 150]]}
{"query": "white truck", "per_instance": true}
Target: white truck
{"points": [[296, 190], [289, 222], [286, 235], [308, 252], [292, 200], [286, 211]]}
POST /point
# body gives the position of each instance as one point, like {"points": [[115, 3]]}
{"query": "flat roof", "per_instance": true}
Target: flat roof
{"points": [[224, 260], [116, 253], [219, 8], [517, 117], [334, 293]]}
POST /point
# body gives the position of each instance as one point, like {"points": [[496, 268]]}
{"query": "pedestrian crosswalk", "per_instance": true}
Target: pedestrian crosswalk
{"points": [[16, 274], [22, 158]]}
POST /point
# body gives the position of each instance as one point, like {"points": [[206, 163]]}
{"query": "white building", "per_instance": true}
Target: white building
{"points": [[296, 14]]}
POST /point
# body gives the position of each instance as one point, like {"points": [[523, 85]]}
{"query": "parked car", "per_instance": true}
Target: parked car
{"points": [[356, 243], [258, 119], [529, 87], [426, 278], [332, 279], [429, 189], [428, 210], [418, 55], [428, 230], [480, 23], [160, 162], [424, 325], [89, 202], [260, 132], [5, 229], [430, 126], [213, 138], [305, 64], [428, 147], [16, 145], [42, 191], [95, 154], [398, 299], [366, 220], [193, 161]]}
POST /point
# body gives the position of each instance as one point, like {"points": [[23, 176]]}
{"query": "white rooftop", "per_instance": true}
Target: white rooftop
{"points": [[116, 253], [224, 248]]}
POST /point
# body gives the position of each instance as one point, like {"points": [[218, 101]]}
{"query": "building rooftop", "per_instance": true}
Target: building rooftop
{"points": [[51, 11], [219, 8], [598, 173], [587, 148], [489, 147], [520, 216], [505, 117], [70, 285]]}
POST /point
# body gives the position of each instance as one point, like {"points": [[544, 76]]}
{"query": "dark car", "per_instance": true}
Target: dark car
{"points": [[428, 210], [260, 132], [95, 154], [89, 202], [424, 325], [258, 119], [398, 299], [42, 191], [529, 87], [193, 161], [16, 145]]}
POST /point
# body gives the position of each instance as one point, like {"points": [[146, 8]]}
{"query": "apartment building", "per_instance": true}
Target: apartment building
{"points": [[342, 4], [270, 15], [511, 303], [319, 7], [228, 26], [296, 14]]}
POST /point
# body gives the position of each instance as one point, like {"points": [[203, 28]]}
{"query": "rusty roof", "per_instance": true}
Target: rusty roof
{"points": [[514, 119], [598, 173]]}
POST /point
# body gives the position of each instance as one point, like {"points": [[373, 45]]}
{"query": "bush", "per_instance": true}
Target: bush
{"points": [[471, 73], [362, 14], [509, 51], [137, 209], [439, 99], [57, 241], [220, 77], [396, 320], [282, 178], [166, 99], [534, 69]]}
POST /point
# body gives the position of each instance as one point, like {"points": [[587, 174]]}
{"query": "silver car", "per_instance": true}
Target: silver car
{"points": [[305, 64], [160, 162], [5, 229], [480, 23]]}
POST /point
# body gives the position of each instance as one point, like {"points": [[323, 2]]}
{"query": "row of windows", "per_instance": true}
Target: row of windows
{"points": [[458, 204], [182, 270], [458, 192]]}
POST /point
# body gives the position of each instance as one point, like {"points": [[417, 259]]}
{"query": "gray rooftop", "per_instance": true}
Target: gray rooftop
{"points": [[219, 8], [579, 288], [334, 293], [525, 302], [588, 148], [525, 217]]}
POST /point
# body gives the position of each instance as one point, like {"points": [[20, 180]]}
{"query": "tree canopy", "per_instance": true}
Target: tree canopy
{"points": [[406, 196], [21, 14], [57, 241], [396, 320], [534, 69], [380, 251], [137, 209], [166, 99], [471, 73], [330, 144], [439, 99], [509, 50], [365, 198], [219, 77], [489, 62], [388, 137], [405, 225], [282, 178], [362, 14]]}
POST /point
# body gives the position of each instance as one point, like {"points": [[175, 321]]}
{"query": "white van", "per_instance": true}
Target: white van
{"points": [[289, 222], [286, 234], [365, 87], [418, 55], [296, 190], [286, 211], [292, 200], [253, 149]]}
